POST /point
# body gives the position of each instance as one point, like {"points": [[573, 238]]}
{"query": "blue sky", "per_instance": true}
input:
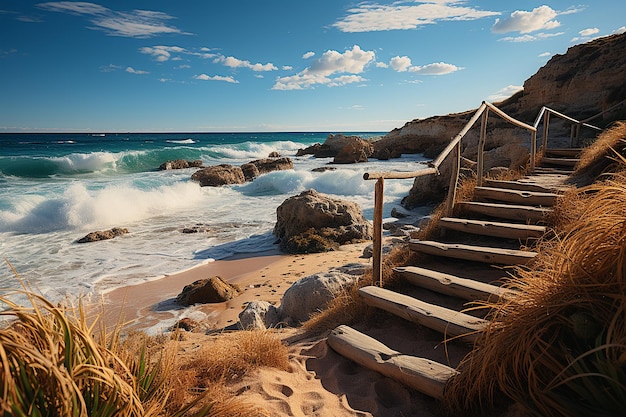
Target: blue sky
{"points": [[277, 65]]}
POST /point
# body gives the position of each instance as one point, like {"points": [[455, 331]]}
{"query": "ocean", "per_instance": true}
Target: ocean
{"points": [[56, 188]]}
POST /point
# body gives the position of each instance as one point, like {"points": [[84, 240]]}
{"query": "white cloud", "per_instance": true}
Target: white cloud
{"points": [[540, 18], [381, 65], [505, 93], [403, 64], [308, 55], [204, 77], [287, 67], [349, 64], [402, 15], [110, 68], [131, 70], [619, 30], [134, 23], [400, 63], [544, 54], [588, 32], [436, 68], [233, 62], [162, 53], [530, 38]]}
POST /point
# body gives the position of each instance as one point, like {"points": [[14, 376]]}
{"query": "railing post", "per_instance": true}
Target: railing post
{"points": [[533, 150], [481, 147], [454, 179], [546, 123], [377, 258]]}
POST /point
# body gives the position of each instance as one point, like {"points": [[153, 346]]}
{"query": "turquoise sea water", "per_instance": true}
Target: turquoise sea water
{"points": [[55, 188]]}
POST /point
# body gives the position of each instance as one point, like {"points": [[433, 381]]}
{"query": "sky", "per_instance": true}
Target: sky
{"points": [[274, 65]]}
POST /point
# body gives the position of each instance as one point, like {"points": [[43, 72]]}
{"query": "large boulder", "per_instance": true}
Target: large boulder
{"points": [[259, 315], [356, 150], [218, 175], [312, 294], [257, 167], [208, 290], [333, 146], [311, 212]]}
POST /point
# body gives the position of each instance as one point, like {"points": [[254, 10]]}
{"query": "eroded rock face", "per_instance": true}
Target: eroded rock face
{"points": [[586, 80], [217, 175], [263, 166], [103, 235], [208, 290], [311, 212], [357, 150], [259, 315], [338, 144]]}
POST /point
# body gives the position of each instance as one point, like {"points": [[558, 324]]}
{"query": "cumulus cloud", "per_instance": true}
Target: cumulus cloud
{"points": [[308, 55], [589, 32], [131, 70], [403, 15], [540, 18], [400, 63], [436, 68], [504, 93], [233, 62], [332, 69], [204, 77], [403, 64], [133, 24]]}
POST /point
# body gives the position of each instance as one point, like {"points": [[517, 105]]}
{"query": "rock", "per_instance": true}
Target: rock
{"points": [[398, 214], [180, 164], [356, 150], [368, 251], [259, 315], [312, 294], [102, 235], [217, 175], [274, 154], [334, 145], [324, 169], [273, 164], [208, 290], [185, 324], [250, 171], [334, 219]]}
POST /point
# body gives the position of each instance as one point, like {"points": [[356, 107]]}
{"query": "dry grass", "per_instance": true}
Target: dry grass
{"points": [[560, 347], [599, 158]]}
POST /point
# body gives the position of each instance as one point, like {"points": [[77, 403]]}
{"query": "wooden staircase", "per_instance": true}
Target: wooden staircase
{"points": [[497, 229]]}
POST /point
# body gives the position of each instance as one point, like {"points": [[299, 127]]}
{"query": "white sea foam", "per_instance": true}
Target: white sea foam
{"points": [[87, 162], [182, 141]]}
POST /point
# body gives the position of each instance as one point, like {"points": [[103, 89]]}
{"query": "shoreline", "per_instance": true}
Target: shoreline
{"points": [[264, 276]]}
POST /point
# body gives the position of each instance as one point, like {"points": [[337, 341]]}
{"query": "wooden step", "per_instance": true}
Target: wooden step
{"points": [[423, 375], [451, 323], [506, 211], [493, 229], [516, 185], [563, 152], [467, 289], [553, 171], [473, 253], [561, 162], [526, 198]]}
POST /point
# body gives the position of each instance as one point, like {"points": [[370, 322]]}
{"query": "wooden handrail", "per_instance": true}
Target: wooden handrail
{"points": [[433, 168]]}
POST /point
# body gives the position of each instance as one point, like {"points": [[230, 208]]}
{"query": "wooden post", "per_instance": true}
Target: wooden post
{"points": [[377, 253], [454, 179], [533, 150], [546, 123], [481, 148]]}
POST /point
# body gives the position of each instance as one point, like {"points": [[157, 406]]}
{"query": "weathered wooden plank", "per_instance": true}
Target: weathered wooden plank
{"points": [[563, 152], [526, 198], [493, 229], [473, 253], [506, 211], [562, 162], [449, 322], [516, 185], [467, 289], [553, 171], [423, 375]]}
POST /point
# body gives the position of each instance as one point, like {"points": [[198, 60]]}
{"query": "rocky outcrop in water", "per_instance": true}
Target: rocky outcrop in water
{"points": [[314, 222], [345, 149], [103, 235], [180, 164], [224, 174]]}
